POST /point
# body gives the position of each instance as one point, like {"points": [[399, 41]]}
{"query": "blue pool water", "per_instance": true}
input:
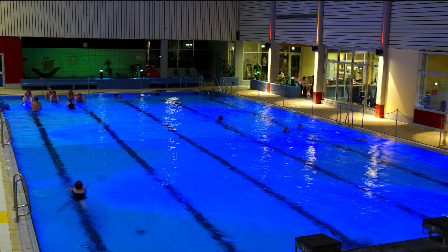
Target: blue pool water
{"points": [[163, 174]]}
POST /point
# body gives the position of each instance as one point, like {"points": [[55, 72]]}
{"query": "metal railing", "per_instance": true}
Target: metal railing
{"points": [[27, 198], [4, 121]]}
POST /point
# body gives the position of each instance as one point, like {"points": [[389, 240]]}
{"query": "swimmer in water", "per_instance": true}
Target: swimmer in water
{"points": [[300, 126], [138, 95], [78, 194], [220, 118], [117, 96], [285, 130]]}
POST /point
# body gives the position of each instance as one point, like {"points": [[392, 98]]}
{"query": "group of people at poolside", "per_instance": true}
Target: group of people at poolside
{"points": [[51, 96]]}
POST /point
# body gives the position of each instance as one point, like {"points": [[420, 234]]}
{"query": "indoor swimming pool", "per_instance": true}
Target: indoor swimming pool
{"points": [[163, 174]]}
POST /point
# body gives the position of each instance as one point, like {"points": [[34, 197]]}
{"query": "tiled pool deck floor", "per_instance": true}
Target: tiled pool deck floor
{"points": [[18, 236]]}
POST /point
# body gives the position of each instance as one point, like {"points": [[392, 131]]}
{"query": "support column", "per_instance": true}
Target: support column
{"points": [[383, 62], [164, 58], [274, 50], [239, 59], [319, 60], [273, 63]]}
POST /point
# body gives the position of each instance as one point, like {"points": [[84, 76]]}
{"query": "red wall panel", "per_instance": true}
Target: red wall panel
{"points": [[11, 47], [428, 118]]}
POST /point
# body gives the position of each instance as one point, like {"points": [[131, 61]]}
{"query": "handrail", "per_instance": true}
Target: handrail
{"points": [[339, 113], [348, 116], [25, 189], [9, 132]]}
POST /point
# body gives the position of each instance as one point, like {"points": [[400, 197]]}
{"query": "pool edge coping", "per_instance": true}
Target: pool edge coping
{"points": [[22, 234]]}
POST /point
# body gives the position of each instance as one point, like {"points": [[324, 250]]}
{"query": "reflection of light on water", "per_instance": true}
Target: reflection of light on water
{"points": [[311, 153]]}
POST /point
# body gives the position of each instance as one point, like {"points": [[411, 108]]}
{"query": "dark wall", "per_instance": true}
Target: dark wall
{"points": [[11, 47]]}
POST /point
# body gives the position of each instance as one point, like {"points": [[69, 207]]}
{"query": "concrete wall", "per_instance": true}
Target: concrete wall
{"points": [[307, 61], [402, 81]]}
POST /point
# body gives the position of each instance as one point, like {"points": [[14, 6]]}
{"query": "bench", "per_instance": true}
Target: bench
{"points": [[47, 83], [318, 243], [438, 225]]}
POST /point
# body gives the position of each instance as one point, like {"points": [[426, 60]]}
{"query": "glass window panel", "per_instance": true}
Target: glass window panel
{"points": [[172, 44], [250, 59], [153, 58], [154, 44], [332, 54], [345, 56], [264, 66], [186, 44], [295, 49], [200, 44], [373, 59], [358, 75], [265, 49], [431, 92], [437, 63], [360, 57], [250, 47], [172, 58], [344, 82], [284, 49], [330, 78], [284, 63], [186, 59]]}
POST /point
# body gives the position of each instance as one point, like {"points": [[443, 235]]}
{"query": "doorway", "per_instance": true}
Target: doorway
{"points": [[2, 70], [294, 64]]}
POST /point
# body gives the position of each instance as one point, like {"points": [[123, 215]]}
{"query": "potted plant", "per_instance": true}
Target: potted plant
{"points": [[133, 69], [257, 69], [108, 69]]}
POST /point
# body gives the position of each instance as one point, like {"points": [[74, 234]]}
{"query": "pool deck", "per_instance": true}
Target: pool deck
{"points": [[420, 137]]}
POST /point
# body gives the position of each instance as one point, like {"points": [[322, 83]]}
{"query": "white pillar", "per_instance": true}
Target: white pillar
{"points": [[383, 62], [319, 60]]}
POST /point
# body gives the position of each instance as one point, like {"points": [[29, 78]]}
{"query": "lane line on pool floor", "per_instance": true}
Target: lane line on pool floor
{"points": [[347, 240], [355, 151], [304, 161], [198, 216], [86, 222]]}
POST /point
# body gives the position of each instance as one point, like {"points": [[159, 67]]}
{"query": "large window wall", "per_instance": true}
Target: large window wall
{"points": [[290, 61], [432, 81], [255, 53], [181, 53], [351, 75]]}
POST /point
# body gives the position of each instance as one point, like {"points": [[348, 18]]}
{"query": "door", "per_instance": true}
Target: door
{"points": [[2, 70], [218, 64], [294, 61]]}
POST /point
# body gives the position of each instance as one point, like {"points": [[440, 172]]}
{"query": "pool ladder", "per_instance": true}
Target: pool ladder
{"points": [[27, 198], [4, 121]]}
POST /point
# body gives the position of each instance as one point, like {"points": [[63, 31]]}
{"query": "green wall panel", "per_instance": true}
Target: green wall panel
{"points": [[76, 63]]}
